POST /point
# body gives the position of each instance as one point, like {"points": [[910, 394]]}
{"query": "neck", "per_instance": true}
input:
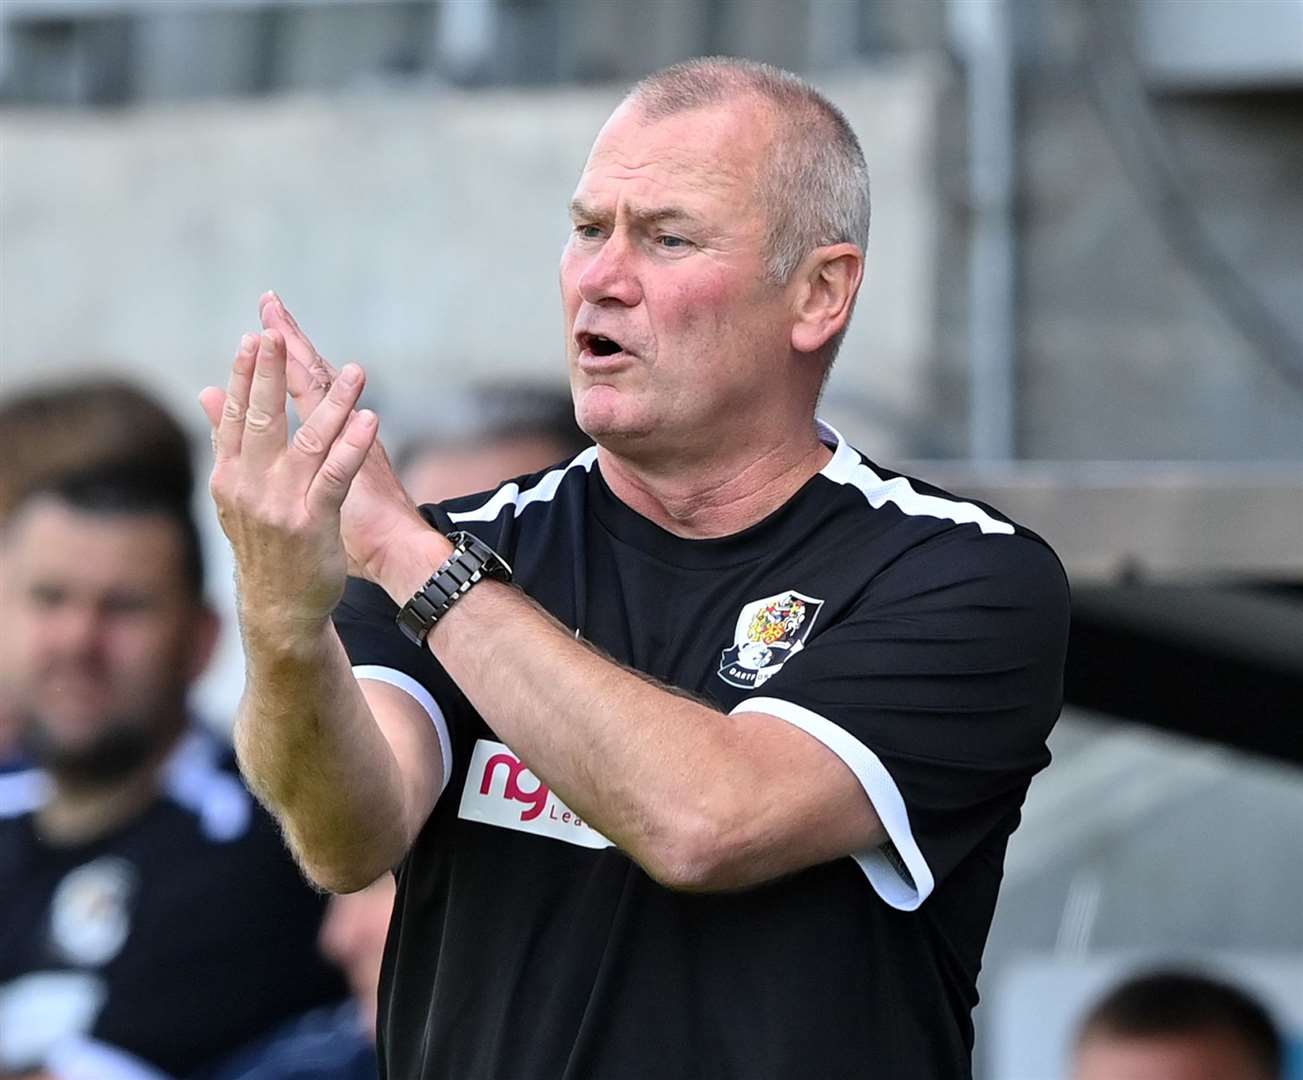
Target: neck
{"points": [[719, 496], [78, 812]]}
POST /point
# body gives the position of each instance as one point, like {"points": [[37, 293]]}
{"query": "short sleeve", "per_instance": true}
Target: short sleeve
{"points": [[378, 650], [938, 690]]}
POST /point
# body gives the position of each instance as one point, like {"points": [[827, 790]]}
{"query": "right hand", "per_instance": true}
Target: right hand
{"points": [[377, 512], [279, 501]]}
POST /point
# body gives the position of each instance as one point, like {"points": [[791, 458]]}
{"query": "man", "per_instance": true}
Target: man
{"points": [[150, 919], [1175, 1025], [632, 804], [62, 427]]}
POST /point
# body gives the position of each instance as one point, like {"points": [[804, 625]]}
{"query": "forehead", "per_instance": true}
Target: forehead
{"points": [[49, 541], [712, 153]]}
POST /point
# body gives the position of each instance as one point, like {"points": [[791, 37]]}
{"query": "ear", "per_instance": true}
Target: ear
{"points": [[826, 283], [203, 641]]}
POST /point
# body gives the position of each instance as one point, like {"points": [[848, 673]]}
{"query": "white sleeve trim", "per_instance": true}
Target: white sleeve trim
{"points": [[883, 794], [87, 1059], [422, 696]]}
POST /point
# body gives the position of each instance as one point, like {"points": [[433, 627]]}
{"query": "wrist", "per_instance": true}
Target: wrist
{"points": [[413, 558], [472, 561], [272, 638]]}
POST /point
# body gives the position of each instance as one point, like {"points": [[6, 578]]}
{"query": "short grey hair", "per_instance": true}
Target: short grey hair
{"points": [[814, 185]]}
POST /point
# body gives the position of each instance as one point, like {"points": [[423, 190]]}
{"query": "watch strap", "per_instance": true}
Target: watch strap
{"points": [[471, 561]]}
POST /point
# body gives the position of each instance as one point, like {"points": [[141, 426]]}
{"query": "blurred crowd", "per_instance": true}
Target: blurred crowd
{"points": [[152, 922]]}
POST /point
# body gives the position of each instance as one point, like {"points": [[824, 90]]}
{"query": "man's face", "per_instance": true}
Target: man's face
{"points": [[666, 263], [104, 634]]}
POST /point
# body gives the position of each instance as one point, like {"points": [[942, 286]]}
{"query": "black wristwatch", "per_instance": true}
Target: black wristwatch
{"points": [[471, 560]]}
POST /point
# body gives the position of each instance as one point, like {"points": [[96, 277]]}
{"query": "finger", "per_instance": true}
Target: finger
{"points": [[265, 426], [211, 399], [346, 456], [311, 443], [229, 434], [309, 374]]}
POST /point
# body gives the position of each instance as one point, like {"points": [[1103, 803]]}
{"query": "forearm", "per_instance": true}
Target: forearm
{"points": [[649, 768], [312, 751], [700, 799]]}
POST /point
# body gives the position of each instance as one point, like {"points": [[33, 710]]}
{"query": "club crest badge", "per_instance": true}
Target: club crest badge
{"points": [[90, 913], [769, 632]]}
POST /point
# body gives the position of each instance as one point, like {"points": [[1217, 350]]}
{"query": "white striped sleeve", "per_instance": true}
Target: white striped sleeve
{"points": [[903, 891], [423, 697]]}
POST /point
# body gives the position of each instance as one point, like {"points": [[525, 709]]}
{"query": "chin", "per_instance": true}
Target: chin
{"points": [[605, 413]]}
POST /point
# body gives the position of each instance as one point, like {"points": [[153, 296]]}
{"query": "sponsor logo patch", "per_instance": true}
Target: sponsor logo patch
{"points": [[769, 632], [500, 790]]}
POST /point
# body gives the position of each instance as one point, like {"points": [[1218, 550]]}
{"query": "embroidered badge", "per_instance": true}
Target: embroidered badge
{"points": [[769, 632], [90, 913]]}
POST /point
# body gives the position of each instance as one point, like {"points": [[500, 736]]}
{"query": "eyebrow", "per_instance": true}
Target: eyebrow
{"points": [[581, 211]]}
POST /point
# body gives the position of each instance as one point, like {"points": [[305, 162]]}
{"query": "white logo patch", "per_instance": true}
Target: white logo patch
{"points": [[500, 790], [90, 914], [769, 632]]}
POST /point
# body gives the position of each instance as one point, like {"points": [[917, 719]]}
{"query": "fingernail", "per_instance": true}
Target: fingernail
{"points": [[249, 342], [268, 342], [350, 374]]}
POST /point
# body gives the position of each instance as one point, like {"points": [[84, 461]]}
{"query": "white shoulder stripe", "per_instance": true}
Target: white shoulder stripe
{"points": [[847, 467], [511, 495], [23, 792], [194, 779]]}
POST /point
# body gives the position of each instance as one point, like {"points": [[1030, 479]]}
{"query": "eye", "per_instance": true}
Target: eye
{"points": [[127, 603], [588, 232], [46, 596], [671, 242]]}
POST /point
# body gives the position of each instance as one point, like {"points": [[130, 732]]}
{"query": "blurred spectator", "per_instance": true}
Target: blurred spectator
{"points": [[353, 936], [333, 1042], [150, 917], [1172, 1025], [490, 432], [55, 429]]}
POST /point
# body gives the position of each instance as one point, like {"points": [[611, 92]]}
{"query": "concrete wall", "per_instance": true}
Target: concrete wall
{"points": [[416, 233], [1124, 352]]}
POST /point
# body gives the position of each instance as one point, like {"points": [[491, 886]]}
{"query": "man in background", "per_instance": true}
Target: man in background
{"points": [[1172, 1025], [494, 431], [54, 429], [150, 918]]}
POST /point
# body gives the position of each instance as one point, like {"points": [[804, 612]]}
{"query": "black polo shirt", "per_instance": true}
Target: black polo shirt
{"points": [[917, 635], [174, 938]]}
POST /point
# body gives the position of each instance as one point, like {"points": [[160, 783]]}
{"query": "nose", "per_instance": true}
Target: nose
{"points": [[611, 274], [76, 629]]}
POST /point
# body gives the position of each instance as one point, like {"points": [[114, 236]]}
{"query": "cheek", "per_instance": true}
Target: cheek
{"points": [[569, 272], [692, 317], [149, 653]]}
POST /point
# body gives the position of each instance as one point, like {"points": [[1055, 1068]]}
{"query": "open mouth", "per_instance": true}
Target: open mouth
{"points": [[600, 344]]}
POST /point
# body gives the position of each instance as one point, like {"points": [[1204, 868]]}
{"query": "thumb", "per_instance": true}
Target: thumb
{"points": [[211, 399]]}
